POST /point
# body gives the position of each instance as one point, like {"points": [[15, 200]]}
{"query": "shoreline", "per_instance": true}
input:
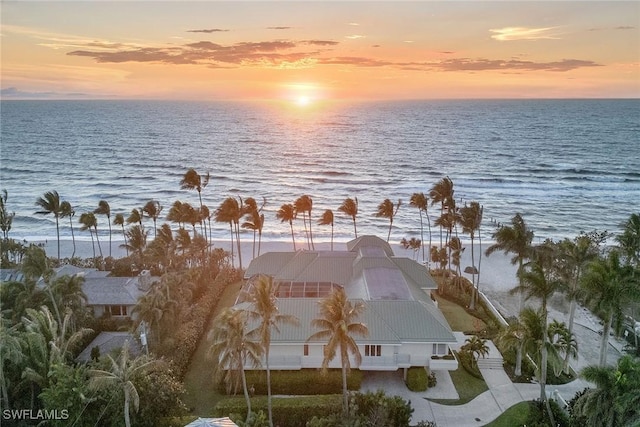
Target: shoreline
{"points": [[497, 272]]}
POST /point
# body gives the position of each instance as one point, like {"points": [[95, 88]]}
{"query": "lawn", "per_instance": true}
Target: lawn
{"points": [[468, 387], [201, 394], [517, 415], [458, 318]]}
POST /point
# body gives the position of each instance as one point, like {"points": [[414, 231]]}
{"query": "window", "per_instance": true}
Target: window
{"points": [[439, 349], [373, 350], [306, 349], [116, 310]]}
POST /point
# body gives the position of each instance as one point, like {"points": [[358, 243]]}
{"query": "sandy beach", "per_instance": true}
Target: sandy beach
{"points": [[497, 277]]}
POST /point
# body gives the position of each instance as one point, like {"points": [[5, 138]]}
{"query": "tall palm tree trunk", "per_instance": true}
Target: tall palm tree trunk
{"points": [[306, 231], [332, 236], [472, 305], [245, 389], [93, 245], [232, 251], [126, 247], [73, 238], [127, 421], [345, 401], [98, 240], [605, 340], [238, 244], [58, 234], [572, 312], [355, 230], [269, 408], [293, 236], [543, 369], [109, 222], [421, 235], [518, 369]]}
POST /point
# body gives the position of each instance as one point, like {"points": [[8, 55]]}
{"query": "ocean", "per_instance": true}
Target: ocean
{"points": [[565, 165]]}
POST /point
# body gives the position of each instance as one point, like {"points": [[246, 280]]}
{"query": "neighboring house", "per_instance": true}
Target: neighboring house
{"points": [[106, 342], [405, 327], [114, 296], [11, 275]]}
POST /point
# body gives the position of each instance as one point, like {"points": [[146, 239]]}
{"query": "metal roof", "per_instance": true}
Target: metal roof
{"points": [[112, 291], [388, 322]]}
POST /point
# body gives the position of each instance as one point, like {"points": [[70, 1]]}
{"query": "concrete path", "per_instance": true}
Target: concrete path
{"points": [[502, 394]]}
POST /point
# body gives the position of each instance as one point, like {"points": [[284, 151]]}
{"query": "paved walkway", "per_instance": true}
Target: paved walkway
{"points": [[502, 394]]}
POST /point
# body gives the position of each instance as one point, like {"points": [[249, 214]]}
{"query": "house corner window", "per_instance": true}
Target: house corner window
{"points": [[306, 349]]}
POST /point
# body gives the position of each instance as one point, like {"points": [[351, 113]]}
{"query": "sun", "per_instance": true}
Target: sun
{"points": [[303, 101]]}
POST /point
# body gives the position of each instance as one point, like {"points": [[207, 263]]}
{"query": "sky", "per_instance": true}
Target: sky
{"points": [[305, 52]]}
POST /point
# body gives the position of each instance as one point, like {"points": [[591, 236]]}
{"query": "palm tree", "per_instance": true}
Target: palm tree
{"points": [[264, 308], [441, 192], [50, 204], [337, 323], [615, 400], [476, 345], [119, 220], [513, 338], [89, 222], [413, 244], [470, 219], [135, 217], [136, 241], [629, 240], [122, 374], [68, 292], [448, 221], [387, 209], [10, 354], [304, 204], [193, 181], [610, 287], [231, 211], [420, 201], [67, 211], [232, 349], [176, 213], [515, 239], [104, 209], [564, 340], [574, 256], [327, 219], [153, 208], [535, 283], [253, 220], [287, 212], [151, 308], [350, 208], [49, 342], [6, 218]]}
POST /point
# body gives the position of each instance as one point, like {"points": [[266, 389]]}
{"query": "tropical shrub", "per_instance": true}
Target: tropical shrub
{"points": [[287, 412], [303, 382], [417, 379], [369, 409], [387, 410], [538, 416]]}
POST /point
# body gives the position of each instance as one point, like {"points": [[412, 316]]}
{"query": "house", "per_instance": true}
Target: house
{"points": [[113, 296], [406, 328]]}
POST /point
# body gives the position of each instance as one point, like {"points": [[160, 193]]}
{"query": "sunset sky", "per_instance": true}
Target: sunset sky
{"points": [[307, 51]]}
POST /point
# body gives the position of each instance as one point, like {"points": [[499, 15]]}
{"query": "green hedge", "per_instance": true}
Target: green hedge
{"points": [[287, 412], [303, 382], [417, 379]]}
